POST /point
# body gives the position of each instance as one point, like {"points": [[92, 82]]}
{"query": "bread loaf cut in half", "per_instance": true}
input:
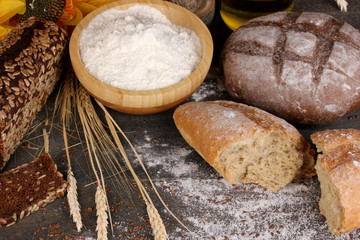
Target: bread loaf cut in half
{"points": [[338, 170], [245, 144], [27, 188], [31, 61], [307, 61]]}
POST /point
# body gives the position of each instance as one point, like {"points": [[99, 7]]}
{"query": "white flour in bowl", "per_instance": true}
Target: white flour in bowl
{"points": [[138, 49]]}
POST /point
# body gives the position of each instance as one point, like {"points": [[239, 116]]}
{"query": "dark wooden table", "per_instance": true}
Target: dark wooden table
{"points": [[209, 206]]}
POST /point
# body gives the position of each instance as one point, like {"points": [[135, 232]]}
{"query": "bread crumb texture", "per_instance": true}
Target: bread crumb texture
{"points": [[338, 170], [27, 188], [245, 144]]}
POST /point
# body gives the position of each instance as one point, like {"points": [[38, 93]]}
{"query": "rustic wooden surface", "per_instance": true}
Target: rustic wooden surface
{"points": [[209, 206]]}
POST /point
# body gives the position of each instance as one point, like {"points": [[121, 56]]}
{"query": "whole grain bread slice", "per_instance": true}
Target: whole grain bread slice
{"points": [[27, 188]]}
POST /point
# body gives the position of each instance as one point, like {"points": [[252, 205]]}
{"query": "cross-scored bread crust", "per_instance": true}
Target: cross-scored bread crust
{"points": [[31, 61], [302, 67], [338, 169], [27, 188]]}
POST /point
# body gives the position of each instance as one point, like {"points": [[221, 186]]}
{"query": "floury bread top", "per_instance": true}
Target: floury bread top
{"points": [[301, 67]]}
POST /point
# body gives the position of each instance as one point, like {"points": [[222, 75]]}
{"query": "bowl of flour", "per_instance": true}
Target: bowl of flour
{"points": [[141, 57]]}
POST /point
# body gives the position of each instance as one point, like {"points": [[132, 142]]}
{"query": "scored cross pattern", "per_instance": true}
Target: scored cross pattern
{"points": [[325, 38], [301, 67]]}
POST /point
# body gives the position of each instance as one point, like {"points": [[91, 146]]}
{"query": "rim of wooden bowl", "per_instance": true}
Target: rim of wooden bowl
{"points": [[146, 101]]}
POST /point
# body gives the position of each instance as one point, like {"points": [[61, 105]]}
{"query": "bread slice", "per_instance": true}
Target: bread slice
{"points": [[245, 144], [32, 59], [338, 170], [27, 188]]}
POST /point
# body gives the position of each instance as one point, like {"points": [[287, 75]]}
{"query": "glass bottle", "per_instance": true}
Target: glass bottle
{"points": [[236, 12]]}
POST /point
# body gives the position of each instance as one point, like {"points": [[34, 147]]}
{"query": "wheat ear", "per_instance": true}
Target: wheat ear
{"points": [[87, 114], [65, 102], [342, 5], [156, 222], [100, 200], [113, 126], [73, 201]]}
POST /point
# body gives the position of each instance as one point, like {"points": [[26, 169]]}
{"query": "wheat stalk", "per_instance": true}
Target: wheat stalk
{"points": [[342, 5], [101, 202], [99, 142], [65, 102], [154, 218], [46, 140], [112, 125], [156, 223], [87, 116], [73, 200]]}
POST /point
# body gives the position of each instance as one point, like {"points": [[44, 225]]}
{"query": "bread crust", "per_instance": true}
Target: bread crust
{"points": [[341, 162], [308, 63], [29, 187], [212, 127], [32, 58]]}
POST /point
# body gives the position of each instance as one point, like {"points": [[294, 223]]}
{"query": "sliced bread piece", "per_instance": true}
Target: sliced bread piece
{"points": [[338, 170], [245, 144], [27, 188]]}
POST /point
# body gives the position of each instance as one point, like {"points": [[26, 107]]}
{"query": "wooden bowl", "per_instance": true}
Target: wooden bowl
{"points": [[148, 101], [204, 9]]}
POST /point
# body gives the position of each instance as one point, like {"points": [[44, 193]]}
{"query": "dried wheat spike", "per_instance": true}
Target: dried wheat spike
{"points": [[100, 200], [73, 201], [342, 5], [85, 100], [157, 224]]}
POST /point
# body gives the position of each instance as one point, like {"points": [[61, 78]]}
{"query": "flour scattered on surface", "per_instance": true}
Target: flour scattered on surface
{"points": [[205, 90], [247, 211], [169, 160]]}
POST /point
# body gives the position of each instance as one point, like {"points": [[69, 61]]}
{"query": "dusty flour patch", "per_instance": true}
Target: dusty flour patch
{"points": [[170, 160], [216, 209], [206, 90]]}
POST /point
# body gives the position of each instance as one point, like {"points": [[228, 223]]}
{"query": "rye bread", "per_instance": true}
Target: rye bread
{"points": [[303, 67], [32, 58], [28, 188]]}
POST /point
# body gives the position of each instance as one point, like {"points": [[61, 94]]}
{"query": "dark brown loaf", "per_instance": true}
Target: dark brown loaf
{"points": [[31, 61], [303, 67], [245, 144], [338, 170], [27, 188]]}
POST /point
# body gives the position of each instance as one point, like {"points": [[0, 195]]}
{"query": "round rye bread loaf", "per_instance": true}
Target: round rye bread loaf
{"points": [[303, 67]]}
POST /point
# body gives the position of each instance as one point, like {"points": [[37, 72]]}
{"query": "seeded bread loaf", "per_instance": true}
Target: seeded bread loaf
{"points": [[27, 188], [245, 144], [301, 67], [338, 170], [31, 61]]}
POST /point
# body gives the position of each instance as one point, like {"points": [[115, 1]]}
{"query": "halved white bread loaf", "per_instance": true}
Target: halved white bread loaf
{"points": [[338, 170], [245, 144]]}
